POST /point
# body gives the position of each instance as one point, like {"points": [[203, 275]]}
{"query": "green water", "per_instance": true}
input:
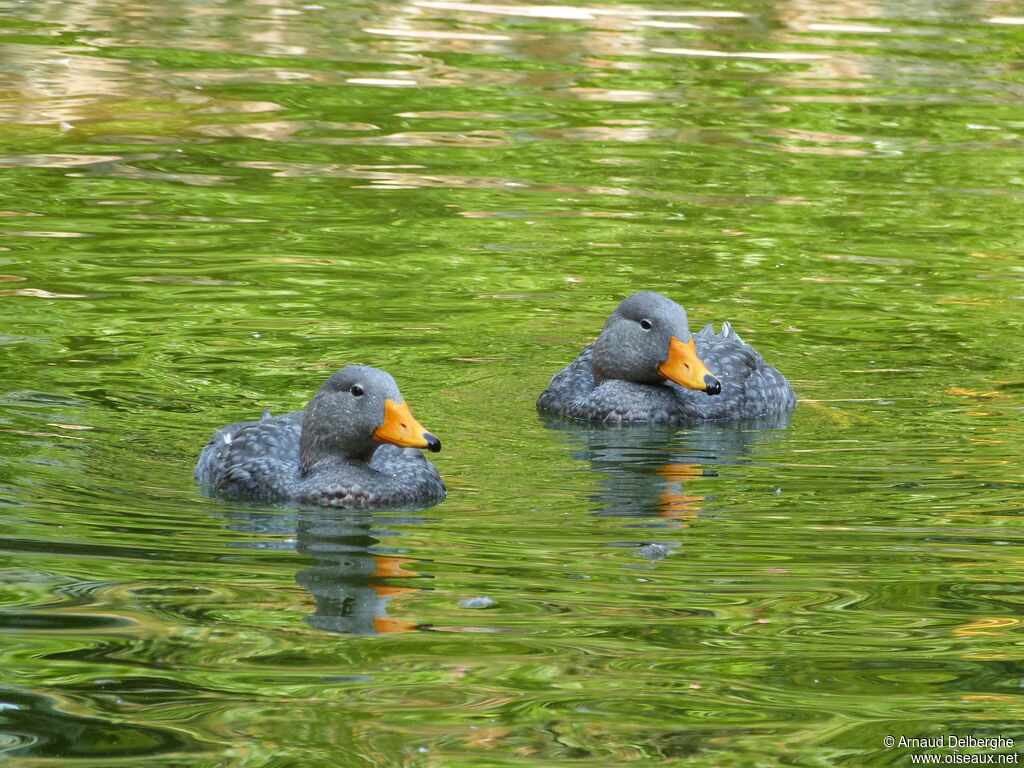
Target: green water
{"points": [[208, 206]]}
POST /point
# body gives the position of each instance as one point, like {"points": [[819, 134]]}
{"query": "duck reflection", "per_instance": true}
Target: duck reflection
{"points": [[646, 472], [349, 578]]}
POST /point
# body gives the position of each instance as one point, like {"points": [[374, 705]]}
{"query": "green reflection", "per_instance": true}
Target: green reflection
{"points": [[208, 206]]}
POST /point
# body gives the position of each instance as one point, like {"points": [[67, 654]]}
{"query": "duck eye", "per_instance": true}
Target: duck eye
{"points": [[356, 390], [645, 324]]}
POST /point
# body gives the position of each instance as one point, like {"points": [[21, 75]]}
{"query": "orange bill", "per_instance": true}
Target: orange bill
{"points": [[401, 428], [686, 369]]}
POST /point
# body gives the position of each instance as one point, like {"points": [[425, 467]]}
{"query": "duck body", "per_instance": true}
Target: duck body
{"points": [[344, 450], [641, 370]]}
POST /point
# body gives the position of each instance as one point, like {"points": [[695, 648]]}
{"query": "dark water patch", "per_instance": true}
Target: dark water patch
{"points": [[46, 730], [58, 622]]}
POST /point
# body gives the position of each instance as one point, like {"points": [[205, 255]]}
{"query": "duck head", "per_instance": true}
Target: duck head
{"points": [[356, 410], [647, 339]]}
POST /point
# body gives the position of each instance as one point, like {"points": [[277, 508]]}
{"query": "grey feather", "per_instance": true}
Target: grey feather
{"points": [[325, 455], [627, 387]]}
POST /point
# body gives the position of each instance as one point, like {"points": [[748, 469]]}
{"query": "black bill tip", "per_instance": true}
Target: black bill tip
{"points": [[433, 444], [712, 385]]}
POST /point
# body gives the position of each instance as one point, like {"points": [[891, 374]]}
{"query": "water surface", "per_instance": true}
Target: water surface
{"points": [[209, 206]]}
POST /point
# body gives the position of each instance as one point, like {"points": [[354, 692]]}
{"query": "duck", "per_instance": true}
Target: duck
{"points": [[355, 446], [646, 367]]}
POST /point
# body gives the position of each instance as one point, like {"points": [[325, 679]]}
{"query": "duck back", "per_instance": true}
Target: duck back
{"points": [[259, 461], [750, 388]]}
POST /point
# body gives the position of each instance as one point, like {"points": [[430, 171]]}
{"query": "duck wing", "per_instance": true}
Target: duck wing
{"points": [[255, 459], [569, 386], [750, 387]]}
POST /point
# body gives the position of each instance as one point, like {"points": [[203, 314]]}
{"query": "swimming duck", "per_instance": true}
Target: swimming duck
{"points": [[647, 367], [355, 446]]}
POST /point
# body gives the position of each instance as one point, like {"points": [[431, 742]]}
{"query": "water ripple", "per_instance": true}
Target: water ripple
{"points": [[207, 211]]}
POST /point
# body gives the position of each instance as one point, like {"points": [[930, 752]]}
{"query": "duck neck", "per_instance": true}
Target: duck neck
{"points": [[614, 361], [316, 452]]}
